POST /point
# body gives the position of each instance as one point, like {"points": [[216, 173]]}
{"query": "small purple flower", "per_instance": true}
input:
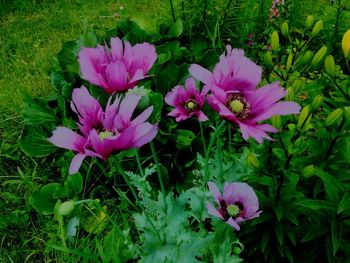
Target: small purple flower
{"points": [[118, 68], [188, 102], [250, 43], [103, 133], [234, 94], [237, 204]]}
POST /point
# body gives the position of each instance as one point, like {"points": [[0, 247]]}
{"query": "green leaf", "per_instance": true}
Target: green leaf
{"points": [[156, 99], [279, 153], [316, 204], [37, 112], [33, 142], [336, 235], [183, 138], [279, 232], [74, 184], [344, 203], [175, 29], [42, 200]]}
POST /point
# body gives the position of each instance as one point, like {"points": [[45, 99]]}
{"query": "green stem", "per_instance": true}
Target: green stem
{"points": [[212, 140], [229, 140], [139, 163], [172, 10], [203, 140], [159, 173]]}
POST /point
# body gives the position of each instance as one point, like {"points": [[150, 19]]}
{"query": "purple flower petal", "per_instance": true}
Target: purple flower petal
{"points": [[76, 163], [66, 138], [201, 74]]}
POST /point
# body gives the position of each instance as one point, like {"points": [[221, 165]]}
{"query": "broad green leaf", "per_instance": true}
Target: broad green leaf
{"points": [[156, 99], [33, 142], [279, 153], [344, 203], [37, 112], [183, 138], [42, 200], [336, 229]]}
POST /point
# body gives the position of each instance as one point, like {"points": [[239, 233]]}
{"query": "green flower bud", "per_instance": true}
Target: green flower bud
{"points": [[253, 161], [307, 57], [329, 65], [317, 102], [309, 21], [66, 208], [318, 58], [317, 28], [284, 29], [289, 61], [268, 60], [308, 171], [298, 85], [346, 44], [290, 94], [303, 115], [276, 121], [275, 41], [333, 117]]}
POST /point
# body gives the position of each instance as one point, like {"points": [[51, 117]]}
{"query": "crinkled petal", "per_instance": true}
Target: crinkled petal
{"points": [[233, 223], [143, 116], [280, 108], [144, 133], [214, 212], [201, 116], [173, 97], [66, 138], [76, 163], [127, 107], [117, 48], [117, 76], [201, 74], [216, 193]]}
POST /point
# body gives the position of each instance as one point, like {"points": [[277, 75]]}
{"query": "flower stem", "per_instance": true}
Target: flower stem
{"points": [[203, 140], [159, 173], [212, 140], [139, 163], [229, 140], [172, 10]]}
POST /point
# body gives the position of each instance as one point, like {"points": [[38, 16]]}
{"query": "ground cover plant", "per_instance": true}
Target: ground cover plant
{"points": [[214, 134]]}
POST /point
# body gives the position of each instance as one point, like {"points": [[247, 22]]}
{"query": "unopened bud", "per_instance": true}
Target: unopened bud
{"points": [[317, 28], [289, 61], [268, 60], [308, 171], [275, 41], [253, 161], [276, 121], [66, 208], [284, 29], [329, 65], [298, 85], [333, 117], [303, 115], [318, 58], [346, 44], [307, 57], [290, 94], [317, 102], [309, 21]]}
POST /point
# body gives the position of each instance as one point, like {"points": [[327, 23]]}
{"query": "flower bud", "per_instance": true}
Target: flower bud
{"points": [[276, 121], [289, 61], [307, 57], [318, 58], [308, 171], [290, 94], [284, 29], [66, 208], [275, 41], [333, 117], [268, 60], [346, 44], [317, 28], [298, 85], [253, 161], [317, 102], [309, 21], [303, 115], [329, 65]]}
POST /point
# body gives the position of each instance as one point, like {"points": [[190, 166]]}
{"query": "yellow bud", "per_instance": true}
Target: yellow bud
{"points": [[329, 65], [333, 117], [308, 171], [298, 85], [317, 28], [276, 121], [289, 61], [303, 115], [307, 57], [66, 208], [317, 102], [268, 60], [309, 21], [318, 58], [275, 41], [253, 161], [284, 29], [346, 44]]}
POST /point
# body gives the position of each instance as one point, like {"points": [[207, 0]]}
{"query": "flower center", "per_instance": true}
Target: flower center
{"points": [[190, 105], [105, 134], [233, 210], [238, 105]]}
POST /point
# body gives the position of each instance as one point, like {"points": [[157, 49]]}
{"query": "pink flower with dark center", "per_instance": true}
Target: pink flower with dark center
{"points": [[103, 133], [118, 68], [235, 97], [188, 102], [237, 204]]}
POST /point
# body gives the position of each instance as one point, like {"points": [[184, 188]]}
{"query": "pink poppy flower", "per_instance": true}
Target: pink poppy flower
{"points": [[237, 204], [234, 94], [103, 133], [119, 68], [188, 102]]}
